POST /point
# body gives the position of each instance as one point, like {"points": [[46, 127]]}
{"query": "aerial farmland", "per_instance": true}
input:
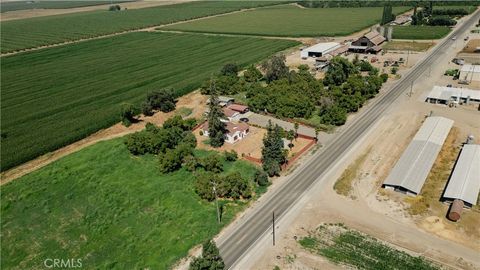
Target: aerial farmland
{"points": [[238, 134]]}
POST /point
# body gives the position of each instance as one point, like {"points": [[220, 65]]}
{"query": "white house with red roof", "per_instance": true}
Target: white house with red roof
{"points": [[235, 131]]}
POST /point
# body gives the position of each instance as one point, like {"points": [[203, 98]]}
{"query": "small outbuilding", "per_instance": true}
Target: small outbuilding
{"points": [[238, 108], [470, 74]]}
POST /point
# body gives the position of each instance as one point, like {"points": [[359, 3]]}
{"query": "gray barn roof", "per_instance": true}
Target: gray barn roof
{"points": [[464, 183], [411, 170]]}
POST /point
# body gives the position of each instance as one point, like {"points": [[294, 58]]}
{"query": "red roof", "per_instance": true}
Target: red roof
{"points": [[238, 107], [228, 112]]}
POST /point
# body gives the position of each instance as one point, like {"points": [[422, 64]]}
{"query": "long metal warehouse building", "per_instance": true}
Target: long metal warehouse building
{"points": [[464, 183], [411, 170]]}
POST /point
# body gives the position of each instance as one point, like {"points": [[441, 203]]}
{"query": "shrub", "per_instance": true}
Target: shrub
{"points": [[384, 77], [272, 168], [230, 69], [231, 156], [147, 109], [127, 113], [204, 186], [114, 8], [234, 186], [138, 143], [212, 163], [394, 70], [163, 100], [261, 178], [210, 258], [170, 161], [190, 163], [201, 132]]}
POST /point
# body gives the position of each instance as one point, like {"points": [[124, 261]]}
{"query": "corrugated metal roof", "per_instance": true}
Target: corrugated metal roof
{"points": [[411, 170], [464, 183], [323, 48], [470, 68], [448, 93]]}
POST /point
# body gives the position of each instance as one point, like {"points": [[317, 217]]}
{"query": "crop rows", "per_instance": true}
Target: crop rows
{"points": [[420, 32], [23, 5], [55, 96], [40, 31], [290, 21]]}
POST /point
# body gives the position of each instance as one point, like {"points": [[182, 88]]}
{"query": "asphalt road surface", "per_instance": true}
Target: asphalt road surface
{"points": [[234, 244]]}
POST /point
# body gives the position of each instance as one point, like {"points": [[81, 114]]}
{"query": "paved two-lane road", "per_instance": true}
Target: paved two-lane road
{"points": [[235, 243]]}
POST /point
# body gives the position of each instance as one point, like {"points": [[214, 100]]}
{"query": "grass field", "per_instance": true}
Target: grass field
{"points": [[289, 20], [22, 5], [345, 246], [35, 32], [109, 209], [53, 97], [408, 45], [420, 32]]}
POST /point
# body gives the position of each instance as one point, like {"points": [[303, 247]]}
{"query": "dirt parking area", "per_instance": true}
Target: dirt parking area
{"points": [[249, 146]]}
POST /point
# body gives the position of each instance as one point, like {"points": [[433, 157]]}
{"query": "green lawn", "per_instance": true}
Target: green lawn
{"points": [[351, 248], [420, 32], [53, 97], [108, 208], [289, 20], [34, 32], [22, 5]]}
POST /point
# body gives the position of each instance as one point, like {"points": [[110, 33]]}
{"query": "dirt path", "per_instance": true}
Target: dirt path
{"points": [[194, 101], [31, 13]]}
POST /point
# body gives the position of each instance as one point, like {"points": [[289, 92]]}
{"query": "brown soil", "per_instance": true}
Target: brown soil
{"points": [[194, 101], [471, 46]]}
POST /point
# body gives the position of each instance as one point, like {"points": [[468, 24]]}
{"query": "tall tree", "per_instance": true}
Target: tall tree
{"points": [[216, 128], [273, 155], [210, 260], [275, 68]]}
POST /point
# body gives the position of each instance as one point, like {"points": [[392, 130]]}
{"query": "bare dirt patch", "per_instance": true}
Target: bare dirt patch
{"points": [[471, 46], [195, 101]]}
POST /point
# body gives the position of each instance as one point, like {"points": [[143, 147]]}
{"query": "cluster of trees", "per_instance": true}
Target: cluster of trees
{"points": [[451, 12], [114, 8], [380, 3], [210, 259], [387, 15], [173, 143], [228, 82], [162, 100], [428, 16], [210, 181], [273, 152]]}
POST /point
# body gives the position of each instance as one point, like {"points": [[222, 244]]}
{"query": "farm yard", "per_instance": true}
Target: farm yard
{"points": [[53, 97], [420, 32], [41, 31], [290, 21], [109, 208]]}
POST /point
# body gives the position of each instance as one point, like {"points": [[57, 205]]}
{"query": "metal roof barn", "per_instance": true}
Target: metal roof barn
{"points": [[445, 94], [320, 49], [411, 170], [464, 183]]}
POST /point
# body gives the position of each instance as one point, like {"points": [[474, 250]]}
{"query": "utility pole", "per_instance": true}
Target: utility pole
{"points": [[411, 89], [273, 226], [408, 55], [216, 200]]}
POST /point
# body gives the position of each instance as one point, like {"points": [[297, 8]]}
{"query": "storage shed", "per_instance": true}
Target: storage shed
{"points": [[446, 95], [470, 73], [410, 172], [464, 183], [320, 49]]}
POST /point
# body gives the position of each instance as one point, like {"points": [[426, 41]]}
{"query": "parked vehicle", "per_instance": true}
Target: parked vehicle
{"points": [[244, 119]]}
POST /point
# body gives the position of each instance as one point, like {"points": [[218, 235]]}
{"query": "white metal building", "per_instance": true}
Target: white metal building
{"points": [[446, 95], [320, 49], [464, 183], [470, 73], [411, 170]]}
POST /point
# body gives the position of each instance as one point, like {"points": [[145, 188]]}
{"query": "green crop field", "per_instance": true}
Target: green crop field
{"points": [[53, 97], [109, 209], [35, 32], [356, 250], [420, 32], [22, 5], [289, 20]]}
